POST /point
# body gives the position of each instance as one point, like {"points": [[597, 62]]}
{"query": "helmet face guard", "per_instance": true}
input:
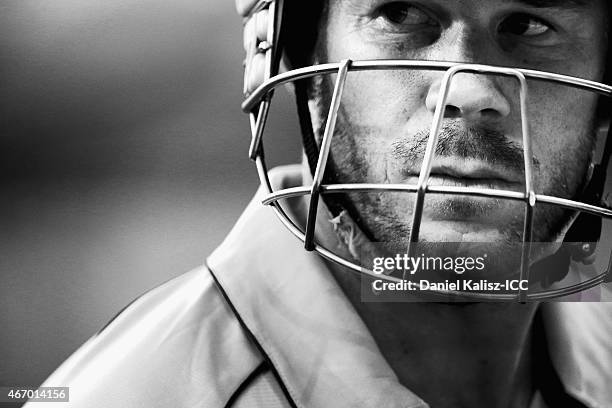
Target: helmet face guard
{"points": [[260, 82]]}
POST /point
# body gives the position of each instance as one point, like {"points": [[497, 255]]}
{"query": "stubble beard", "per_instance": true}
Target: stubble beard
{"points": [[385, 218]]}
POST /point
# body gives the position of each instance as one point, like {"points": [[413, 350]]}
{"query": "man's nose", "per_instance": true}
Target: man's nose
{"points": [[474, 97]]}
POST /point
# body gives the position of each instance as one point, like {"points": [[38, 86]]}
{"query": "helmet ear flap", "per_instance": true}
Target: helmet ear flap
{"points": [[552, 268], [583, 236], [585, 231], [581, 239], [579, 245]]}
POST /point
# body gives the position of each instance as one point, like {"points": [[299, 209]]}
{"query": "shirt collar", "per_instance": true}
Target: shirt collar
{"points": [[322, 349], [579, 338]]}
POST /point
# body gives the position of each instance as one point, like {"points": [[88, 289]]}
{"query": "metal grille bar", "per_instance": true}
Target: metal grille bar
{"points": [[257, 127], [262, 96], [324, 153], [453, 190], [371, 65]]}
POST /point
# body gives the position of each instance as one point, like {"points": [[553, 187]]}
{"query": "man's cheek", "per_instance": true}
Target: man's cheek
{"points": [[561, 169], [380, 97]]}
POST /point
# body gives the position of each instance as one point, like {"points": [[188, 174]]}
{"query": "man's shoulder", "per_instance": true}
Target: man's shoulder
{"points": [[177, 345]]}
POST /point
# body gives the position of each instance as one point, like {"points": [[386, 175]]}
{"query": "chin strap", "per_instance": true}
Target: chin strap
{"points": [[311, 148], [308, 141]]}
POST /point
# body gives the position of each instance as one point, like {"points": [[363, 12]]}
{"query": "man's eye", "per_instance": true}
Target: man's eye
{"points": [[401, 13], [524, 25]]}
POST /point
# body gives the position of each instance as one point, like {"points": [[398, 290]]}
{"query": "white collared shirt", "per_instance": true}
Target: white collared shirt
{"points": [[322, 348], [266, 325]]}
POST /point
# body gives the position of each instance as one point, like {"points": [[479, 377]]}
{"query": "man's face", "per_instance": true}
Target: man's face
{"points": [[385, 116]]}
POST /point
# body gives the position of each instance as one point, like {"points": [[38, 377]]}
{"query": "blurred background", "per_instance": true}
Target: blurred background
{"points": [[123, 158]]}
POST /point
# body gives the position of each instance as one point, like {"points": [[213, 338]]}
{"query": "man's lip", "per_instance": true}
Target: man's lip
{"points": [[474, 173], [471, 173]]}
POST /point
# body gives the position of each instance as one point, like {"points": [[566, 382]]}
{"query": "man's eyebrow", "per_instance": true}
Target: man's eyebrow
{"points": [[558, 4]]}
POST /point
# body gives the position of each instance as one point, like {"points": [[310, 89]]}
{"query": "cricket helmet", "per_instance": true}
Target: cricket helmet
{"points": [[282, 33]]}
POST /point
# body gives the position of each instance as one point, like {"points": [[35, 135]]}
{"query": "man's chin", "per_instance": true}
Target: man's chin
{"points": [[481, 251], [464, 231]]}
